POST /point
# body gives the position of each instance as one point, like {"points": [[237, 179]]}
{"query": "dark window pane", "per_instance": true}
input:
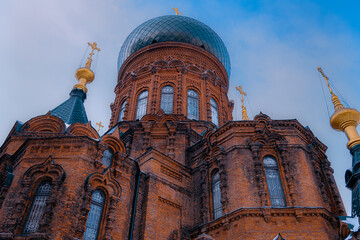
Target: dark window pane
{"points": [[167, 96], [94, 217], [214, 112], [193, 105], [122, 111], [107, 157], [37, 208], [216, 195], [273, 180], [142, 104]]}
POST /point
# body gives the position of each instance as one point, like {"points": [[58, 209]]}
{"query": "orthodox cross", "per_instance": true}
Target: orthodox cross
{"points": [[244, 112], [337, 104], [93, 48], [176, 11], [326, 79], [100, 126]]}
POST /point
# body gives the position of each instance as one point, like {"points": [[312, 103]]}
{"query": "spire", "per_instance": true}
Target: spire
{"points": [[244, 112], [344, 119], [73, 110]]}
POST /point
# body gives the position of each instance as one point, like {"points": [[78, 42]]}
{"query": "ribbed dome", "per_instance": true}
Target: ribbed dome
{"points": [[178, 29]]}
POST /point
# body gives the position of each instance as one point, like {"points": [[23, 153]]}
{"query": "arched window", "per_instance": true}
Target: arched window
{"points": [[141, 104], [167, 96], [37, 208], [216, 194], [214, 112], [273, 180], [94, 217], [122, 111], [193, 105], [107, 157]]}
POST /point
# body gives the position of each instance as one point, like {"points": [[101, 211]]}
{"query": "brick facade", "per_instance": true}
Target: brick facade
{"points": [[159, 184]]}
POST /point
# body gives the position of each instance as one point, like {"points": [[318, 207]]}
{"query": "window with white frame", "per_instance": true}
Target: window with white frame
{"points": [[193, 105], [141, 104], [273, 180], [167, 99]]}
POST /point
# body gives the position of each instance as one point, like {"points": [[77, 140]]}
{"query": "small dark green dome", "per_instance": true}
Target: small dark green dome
{"points": [[175, 28]]}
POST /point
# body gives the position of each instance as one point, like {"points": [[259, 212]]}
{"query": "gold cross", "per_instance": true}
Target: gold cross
{"points": [[100, 126], [242, 93], [244, 112], [176, 11], [93, 48], [326, 79]]}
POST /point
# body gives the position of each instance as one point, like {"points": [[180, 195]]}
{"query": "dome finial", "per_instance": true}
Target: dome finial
{"points": [[176, 11], [84, 74], [244, 112], [344, 119]]}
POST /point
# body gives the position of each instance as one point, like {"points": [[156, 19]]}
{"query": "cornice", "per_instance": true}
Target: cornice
{"points": [[172, 45], [267, 213]]}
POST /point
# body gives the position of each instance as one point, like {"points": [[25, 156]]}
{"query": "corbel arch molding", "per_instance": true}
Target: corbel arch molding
{"points": [[143, 70], [176, 63], [44, 123], [168, 118], [160, 63], [266, 137], [82, 129], [47, 170], [105, 182], [194, 68], [115, 144], [150, 117]]}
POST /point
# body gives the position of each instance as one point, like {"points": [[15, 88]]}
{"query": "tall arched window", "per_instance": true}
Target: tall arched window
{"points": [[216, 194], [107, 157], [94, 217], [141, 104], [193, 105], [37, 208], [167, 99], [122, 111], [273, 180], [214, 112]]}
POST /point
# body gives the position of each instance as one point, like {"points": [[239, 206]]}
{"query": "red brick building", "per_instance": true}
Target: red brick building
{"points": [[173, 164]]}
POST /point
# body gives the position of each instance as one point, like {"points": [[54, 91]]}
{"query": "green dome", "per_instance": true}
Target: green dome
{"points": [[175, 28]]}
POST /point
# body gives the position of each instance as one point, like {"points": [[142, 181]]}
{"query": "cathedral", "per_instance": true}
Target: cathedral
{"points": [[173, 164]]}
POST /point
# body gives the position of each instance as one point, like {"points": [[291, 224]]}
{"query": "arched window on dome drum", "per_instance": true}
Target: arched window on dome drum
{"points": [[167, 99], [214, 112], [122, 111], [107, 157], [273, 180], [216, 194], [141, 104], [193, 105], [94, 216], [37, 208]]}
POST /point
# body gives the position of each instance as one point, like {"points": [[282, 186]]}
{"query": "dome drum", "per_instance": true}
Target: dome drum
{"points": [[183, 67]]}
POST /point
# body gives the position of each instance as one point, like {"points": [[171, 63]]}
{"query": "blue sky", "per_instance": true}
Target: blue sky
{"points": [[274, 46]]}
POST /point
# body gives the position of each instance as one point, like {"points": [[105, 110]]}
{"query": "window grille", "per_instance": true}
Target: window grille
{"points": [[274, 184], [214, 112], [167, 96], [94, 217], [37, 208], [107, 157], [193, 105], [142, 104], [216, 195], [122, 111]]}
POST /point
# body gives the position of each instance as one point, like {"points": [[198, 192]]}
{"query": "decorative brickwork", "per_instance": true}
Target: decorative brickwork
{"points": [[157, 173]]}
